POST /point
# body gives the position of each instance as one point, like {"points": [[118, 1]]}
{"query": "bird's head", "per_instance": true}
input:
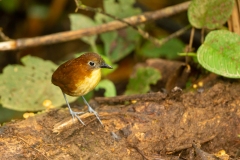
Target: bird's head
{"points": [[93, 61]]}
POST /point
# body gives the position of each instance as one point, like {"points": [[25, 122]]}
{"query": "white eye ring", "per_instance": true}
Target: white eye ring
{"points": [[91, 63]]}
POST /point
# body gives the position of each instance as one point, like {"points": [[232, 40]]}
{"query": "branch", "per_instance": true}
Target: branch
{"points": [[138, 29], [111, 26]]}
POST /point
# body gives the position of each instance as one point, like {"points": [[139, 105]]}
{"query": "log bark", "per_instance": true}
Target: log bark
{"points": [[149, 127]]}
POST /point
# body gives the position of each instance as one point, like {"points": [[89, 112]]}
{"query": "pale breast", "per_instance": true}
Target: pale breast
{"points": [[89, 83]]}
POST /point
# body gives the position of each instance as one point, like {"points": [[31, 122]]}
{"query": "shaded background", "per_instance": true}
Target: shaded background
{"points": [[25, 18]]}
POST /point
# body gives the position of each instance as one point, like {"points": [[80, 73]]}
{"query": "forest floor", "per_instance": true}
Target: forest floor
{"points": [[177, 125]]}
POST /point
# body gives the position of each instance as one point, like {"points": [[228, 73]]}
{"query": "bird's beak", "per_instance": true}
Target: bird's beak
{"points": [[104, 65]]}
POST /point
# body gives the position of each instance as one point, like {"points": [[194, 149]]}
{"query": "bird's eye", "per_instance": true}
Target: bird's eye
{"points": [[91, 63]]}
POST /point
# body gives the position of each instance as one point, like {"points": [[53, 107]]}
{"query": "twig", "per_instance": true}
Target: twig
{"points": [[59, 127], [191, 39], [188, 145], [31, 146], [156, 96], [202, 35], [203, 155], [3, 36], [72, 35], [233, 21], [189, 48], [65, 124], [175, 34], [140, 152]]}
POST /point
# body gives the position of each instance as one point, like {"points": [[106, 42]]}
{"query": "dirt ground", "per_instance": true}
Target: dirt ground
{"points": [[156, 126]]}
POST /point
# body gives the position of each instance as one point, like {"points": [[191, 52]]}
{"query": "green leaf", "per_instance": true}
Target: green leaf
{"points": [[121, 9], [110, 7], [209, 13], [110, 90], [141, 81], [118, 44], [169, 50], [8, 114], [220, 53], [79, 21], [108, 39], [125, 42], [25, 88]]}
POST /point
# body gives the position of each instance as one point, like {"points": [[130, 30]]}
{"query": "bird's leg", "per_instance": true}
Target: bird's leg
{"points": [[91, 110], [74, 114]]}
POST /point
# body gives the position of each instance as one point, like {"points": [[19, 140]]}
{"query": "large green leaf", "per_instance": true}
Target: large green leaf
{"points": [[209, 13], [25, 88], [220, 53], [141, 81]]}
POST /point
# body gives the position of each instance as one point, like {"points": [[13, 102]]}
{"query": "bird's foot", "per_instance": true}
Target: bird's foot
{"points": [[95, 113], [75, 114]]}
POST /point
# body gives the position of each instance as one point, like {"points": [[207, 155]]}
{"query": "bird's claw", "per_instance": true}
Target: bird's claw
{"points": [[95, 113], [75, 114]]}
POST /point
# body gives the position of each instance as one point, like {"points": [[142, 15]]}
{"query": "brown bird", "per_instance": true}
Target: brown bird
{"points": [[79, 76]]}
